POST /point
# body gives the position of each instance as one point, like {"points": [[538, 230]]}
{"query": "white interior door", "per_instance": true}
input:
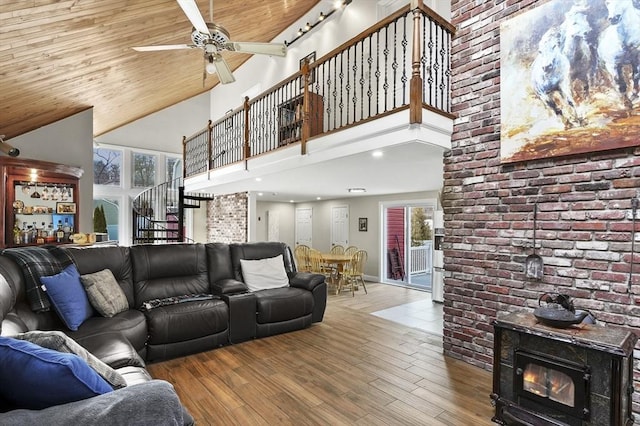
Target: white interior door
{"points": [[340, 226], [304, 226]]}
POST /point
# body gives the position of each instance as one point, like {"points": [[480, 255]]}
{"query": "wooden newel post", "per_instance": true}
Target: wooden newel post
{"points": [[305, 108], [415, 87], [247, 148]]}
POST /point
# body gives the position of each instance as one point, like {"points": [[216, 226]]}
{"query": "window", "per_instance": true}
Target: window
{"points": [[111, 209], [173, 169], [144, 170], [121, 175], [107, 166]]}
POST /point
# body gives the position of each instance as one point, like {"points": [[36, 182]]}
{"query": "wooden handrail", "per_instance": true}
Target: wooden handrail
{"points": [[346, 99]]}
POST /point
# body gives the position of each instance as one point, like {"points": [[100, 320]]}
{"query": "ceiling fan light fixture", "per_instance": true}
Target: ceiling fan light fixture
{"points": [[210, 67]]}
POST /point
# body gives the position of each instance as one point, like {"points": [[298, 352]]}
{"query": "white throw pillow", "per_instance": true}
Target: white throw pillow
{"points": [[264, 273]]}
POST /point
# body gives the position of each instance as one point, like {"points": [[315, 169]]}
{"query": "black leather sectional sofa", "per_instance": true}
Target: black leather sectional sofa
{"points": [[182, 299]]}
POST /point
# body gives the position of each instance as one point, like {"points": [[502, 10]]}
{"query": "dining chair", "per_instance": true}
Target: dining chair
{"points": [[317, 265], [351, 250], [301, 253], [337, 249], [354, 271]]}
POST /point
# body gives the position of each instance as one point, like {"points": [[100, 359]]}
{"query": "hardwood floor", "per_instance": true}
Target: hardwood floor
{"points": [[352, 369]]}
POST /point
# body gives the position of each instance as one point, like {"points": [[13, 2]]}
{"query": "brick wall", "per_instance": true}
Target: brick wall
{"points": [[227, 218], [584, 234]]}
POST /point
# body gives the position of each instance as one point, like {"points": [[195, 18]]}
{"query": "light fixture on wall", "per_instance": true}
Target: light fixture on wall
{"points": [[338, 4], [8, 149]]}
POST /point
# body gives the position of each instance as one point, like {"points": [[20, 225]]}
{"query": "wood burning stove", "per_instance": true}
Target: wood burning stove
{"points": [[576, 376]]}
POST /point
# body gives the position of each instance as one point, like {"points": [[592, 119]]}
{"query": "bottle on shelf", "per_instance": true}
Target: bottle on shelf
{"points": [[40, 234], [66, 228], [16, 235], [50, 235], [24, 233], [59, 233]]}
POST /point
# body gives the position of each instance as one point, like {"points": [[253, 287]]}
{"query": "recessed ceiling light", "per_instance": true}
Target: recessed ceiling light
{"points": [[258, 179], [260, 194], [353, 190], [291, 201], [318, 198], [377, 153]]}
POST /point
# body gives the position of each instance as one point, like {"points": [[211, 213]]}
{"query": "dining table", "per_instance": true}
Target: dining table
{"points": [[340, 260]]}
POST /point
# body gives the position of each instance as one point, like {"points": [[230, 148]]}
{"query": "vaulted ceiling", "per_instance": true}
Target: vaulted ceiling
{"points": [[59, 57]]}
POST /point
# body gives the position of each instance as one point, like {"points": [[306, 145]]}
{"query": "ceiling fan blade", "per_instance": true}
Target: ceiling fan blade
{"points": [[164, 47], [273, 49], [223, 70], [190, 8]]}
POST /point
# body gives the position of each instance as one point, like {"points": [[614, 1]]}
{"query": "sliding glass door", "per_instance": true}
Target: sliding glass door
{"points": [[407, 244]]}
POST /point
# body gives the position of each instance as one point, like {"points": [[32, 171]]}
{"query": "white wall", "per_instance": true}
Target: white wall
{"points": [[163, 130], [285, 212], [68, 141]]}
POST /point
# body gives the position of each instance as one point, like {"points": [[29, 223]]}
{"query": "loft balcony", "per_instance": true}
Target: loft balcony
{"points": [[388, 88]]}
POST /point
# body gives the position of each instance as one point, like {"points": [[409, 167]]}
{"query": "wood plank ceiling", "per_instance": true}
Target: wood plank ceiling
{"points": [[60, 57]]}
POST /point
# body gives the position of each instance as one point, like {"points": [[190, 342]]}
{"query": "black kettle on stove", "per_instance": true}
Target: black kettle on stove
{"points": [[557, 310]]}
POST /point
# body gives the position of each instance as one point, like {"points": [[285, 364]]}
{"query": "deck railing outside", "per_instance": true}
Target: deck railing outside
{"points": [[421, 258], [399, 63]]}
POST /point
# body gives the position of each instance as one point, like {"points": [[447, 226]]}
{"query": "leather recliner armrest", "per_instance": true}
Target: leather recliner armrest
{"points": [[228, 286], [305, 280]]}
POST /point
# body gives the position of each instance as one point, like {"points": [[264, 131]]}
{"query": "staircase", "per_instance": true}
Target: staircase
{"points": [[158, 212]]}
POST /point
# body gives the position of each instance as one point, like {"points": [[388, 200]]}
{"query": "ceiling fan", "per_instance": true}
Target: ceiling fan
{"points": [[212, 39]]}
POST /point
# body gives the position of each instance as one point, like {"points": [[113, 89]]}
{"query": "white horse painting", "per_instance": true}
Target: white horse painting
{"points": [[570, 74], [619, 46]]}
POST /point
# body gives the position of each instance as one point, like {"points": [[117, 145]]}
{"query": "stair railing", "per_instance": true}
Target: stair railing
{"points": [[157, 214]]}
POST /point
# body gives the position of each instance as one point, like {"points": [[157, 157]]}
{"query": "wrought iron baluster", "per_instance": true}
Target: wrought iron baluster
{"points": [[404, 77], [334, 92], [430, 70], [378, 72], [370, 77], [446, 63], [385, 85], [341, 77], [362, 81], [327, 98], [394, 64]]}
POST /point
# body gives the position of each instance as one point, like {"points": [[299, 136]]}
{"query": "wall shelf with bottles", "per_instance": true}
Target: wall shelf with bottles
{"points": [[39, 202]]}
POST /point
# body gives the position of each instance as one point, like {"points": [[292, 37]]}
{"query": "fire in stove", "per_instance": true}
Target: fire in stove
{"points": [[543, 380], [549, 383]]}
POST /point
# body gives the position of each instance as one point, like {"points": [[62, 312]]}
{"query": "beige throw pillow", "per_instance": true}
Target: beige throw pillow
{"points": [[264, 273], [104, 293]]}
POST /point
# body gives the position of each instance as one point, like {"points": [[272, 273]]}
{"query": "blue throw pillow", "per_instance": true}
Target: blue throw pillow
{"points": [[34, 377], [68, 297]]}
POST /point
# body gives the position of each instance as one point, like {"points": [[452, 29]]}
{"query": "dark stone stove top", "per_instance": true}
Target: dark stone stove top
{"points": [[611, 339]]}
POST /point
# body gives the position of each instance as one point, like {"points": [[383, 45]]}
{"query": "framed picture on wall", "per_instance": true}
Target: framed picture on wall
{"points": [[311, 57], [66, 208], [362, 224], [547, 112]]}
